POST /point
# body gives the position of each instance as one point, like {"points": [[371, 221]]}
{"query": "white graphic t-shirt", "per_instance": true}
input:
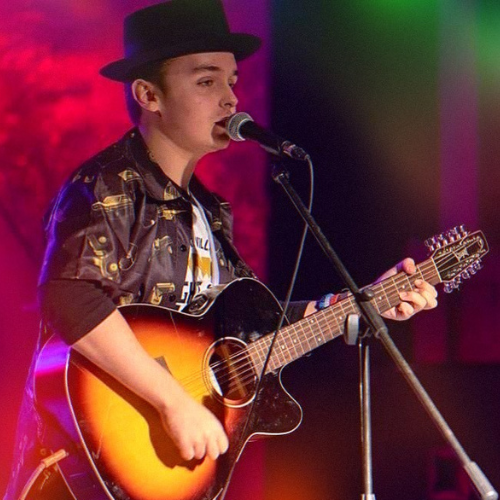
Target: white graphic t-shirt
{"points": [[202, 269]]}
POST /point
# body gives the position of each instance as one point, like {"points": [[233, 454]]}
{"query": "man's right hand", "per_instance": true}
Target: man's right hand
{"points": [[194, 429]]}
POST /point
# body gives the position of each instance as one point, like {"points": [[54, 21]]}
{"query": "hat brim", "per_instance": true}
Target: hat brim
{"points": [[242, 45]]}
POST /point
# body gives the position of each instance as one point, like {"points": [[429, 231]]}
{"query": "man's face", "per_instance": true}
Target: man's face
{"points": [[198, 95]]}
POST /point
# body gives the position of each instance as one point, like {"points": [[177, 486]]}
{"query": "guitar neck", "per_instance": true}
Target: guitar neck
{"points": [[296, 340]]}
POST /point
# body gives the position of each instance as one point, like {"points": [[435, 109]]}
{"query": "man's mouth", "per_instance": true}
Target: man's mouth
{"points": [[220, 127], [222, 123]]}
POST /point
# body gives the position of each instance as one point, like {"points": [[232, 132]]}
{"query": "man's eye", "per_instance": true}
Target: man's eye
{"points": [[206, 83]]}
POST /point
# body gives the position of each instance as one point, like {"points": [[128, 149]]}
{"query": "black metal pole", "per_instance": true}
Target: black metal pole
{"points": [[366, 423], [379, 330]]}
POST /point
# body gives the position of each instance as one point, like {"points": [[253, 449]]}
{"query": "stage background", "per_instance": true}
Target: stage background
{"points": [[56, 111], [398, 104]]}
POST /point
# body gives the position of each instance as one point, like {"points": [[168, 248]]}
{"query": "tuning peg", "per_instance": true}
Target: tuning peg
{"points": [[430, 244], [454, 284], [436, 241], [457, 233], [443, 241], [452, 235], [465, 275]]}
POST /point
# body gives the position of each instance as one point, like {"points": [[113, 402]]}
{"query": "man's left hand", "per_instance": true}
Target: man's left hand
{"points": [[423, 296]]}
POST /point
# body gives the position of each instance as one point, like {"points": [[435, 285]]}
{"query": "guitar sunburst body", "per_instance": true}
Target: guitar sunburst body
{"points": [[118, 449], [128, 453]]}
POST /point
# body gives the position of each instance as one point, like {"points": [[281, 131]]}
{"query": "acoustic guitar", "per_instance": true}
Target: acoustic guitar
{"points": [[117, 447]]}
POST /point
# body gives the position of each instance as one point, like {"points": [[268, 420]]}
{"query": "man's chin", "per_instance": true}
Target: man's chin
{"points": [[221, 141]]}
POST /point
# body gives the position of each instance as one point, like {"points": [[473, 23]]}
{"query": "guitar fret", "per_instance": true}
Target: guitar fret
{"points": [[322, 324], [433, 271], [308, 339], [316, 338], [409, 280], [382, 303], [393, 299], [423, 273], [291, 343], [341, 318], [311, 337], [387, 299], [304, 337], [282, 349]]}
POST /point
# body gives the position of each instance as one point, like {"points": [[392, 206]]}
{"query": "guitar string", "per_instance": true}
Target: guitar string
{"points": [[390, 288], [243, 356]]}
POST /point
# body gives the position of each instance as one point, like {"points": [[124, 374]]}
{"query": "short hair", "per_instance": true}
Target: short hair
{"points": [[152, 72]]}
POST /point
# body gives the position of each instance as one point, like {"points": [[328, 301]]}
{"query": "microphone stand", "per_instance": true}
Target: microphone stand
{"points": [[379, 330]]}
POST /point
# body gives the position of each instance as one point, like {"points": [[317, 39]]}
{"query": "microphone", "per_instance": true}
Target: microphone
{"points": [[241, 126]]}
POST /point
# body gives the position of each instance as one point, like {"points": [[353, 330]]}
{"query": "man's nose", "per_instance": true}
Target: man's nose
{"points": [[230, 99]]}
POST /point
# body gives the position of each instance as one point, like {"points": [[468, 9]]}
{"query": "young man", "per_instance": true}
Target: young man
{"points": [[134, 225]]}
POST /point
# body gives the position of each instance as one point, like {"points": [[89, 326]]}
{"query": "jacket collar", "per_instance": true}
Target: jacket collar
{"points": [[160, 187], [157, 183]]}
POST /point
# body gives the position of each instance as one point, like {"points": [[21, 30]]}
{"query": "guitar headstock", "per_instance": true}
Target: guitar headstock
{"points": [[457, 255]]}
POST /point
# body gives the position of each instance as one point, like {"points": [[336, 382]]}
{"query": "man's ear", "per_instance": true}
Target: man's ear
{"points": [[145, 94]]}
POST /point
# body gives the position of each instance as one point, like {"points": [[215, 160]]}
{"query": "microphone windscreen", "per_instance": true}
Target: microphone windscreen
{"points": [[234, 123]]}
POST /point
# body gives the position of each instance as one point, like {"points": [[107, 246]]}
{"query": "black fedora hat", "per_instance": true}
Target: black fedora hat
{"points": [[176, 28]]}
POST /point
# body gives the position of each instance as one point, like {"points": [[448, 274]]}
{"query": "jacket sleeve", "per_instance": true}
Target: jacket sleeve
{"points": [[296, 310], [72, 308], [87, 233]]}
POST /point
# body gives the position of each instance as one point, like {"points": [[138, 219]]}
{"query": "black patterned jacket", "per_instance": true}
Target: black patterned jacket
{"points": [[121, 222]]}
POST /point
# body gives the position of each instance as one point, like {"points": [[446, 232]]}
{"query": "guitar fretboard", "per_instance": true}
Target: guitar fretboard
{"points": [[300, 338]]}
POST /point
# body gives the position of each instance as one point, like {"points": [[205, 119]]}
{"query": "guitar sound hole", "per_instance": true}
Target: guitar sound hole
{"points": [[232, 374]]}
